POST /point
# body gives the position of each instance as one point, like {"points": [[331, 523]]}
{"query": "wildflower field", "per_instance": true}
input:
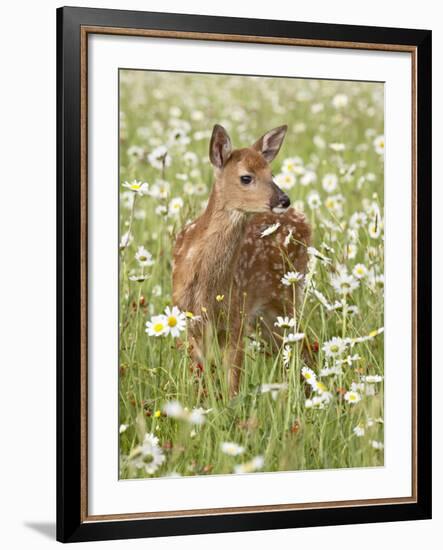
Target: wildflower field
{"points": [[318, 401]]}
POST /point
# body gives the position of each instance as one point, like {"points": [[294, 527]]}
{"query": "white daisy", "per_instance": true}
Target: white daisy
{"points": [[255, 345], [309, 375], [359, 431], [370, 336], [292, 278], [174, 409], [231, 449], [288, 238], [292, 165], [374, 229], [200, 188], [330, 371], [352, 397], [349, 360], [157, 326], [372, 378], [285, 322], [159, 157], [317, 108], [175, 321], [135, 152], [287, 355], [138, 278], [329, 182], [352, 310], [313, 200], [197, 115], [197, 416], [138, 187], [321, 389], [333, 204], [143, 257], [379, 145], [269, 230], [357, 386], [376, 281], [334, 347], [339, 101], [377, 445], [175, 111], [337, 147], [319, 142], [253, 465], [274, 389], [285, 181], [322, 299], [317, 254], [178, 136], [344, 284], [358, 220], [175, 205], [308, 177], [360, 271], [351, 251], [292, 337], [318, 401], [190, 158], [189, 188], [157, 290], [160, 189], [148, 456]]}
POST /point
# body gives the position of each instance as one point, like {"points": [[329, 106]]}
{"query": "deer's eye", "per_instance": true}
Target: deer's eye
{"points": [[245, 179]]}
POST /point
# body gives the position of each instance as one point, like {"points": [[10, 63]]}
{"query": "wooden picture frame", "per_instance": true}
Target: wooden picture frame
{"points": [[74, 523]]}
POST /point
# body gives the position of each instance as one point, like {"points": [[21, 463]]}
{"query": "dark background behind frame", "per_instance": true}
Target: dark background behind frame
{"points": [[68, 295]]}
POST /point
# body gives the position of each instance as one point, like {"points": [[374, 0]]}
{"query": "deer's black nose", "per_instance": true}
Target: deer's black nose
{"points": [[285, 201]]}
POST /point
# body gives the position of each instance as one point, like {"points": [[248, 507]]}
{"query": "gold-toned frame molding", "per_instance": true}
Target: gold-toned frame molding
{"points": [[84, 33]]}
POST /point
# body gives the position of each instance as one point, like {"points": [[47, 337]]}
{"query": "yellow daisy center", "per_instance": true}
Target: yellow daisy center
{"points": [[158, 327], [172, 321]]}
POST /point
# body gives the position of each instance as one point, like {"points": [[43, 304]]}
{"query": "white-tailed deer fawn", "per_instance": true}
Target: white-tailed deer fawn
{"points": [[222, 253]]}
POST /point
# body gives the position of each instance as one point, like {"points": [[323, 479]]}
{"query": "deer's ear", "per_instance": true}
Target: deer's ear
{"points": [[220, 147], [269, 144]]}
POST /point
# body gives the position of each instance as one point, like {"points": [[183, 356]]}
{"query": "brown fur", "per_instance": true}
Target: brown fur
{"points": [[222, 253]]}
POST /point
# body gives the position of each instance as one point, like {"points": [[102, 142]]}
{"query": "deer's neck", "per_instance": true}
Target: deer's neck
{"points": [[221, 233]]}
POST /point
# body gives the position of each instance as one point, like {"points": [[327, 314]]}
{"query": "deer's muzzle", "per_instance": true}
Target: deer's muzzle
{"points": [[279, 200]]}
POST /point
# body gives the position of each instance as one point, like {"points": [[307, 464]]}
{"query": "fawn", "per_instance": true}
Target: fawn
{"points": [[223, 269]]}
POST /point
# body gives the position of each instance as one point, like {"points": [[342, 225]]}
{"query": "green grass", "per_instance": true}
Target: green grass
{"points": [[287, 433]]}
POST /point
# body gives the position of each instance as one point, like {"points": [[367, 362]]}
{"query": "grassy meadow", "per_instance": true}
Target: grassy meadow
{"points": [[295, 410]]}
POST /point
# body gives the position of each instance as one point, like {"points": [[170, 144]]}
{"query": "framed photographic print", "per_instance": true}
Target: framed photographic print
{"points": [[244, 274]]}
